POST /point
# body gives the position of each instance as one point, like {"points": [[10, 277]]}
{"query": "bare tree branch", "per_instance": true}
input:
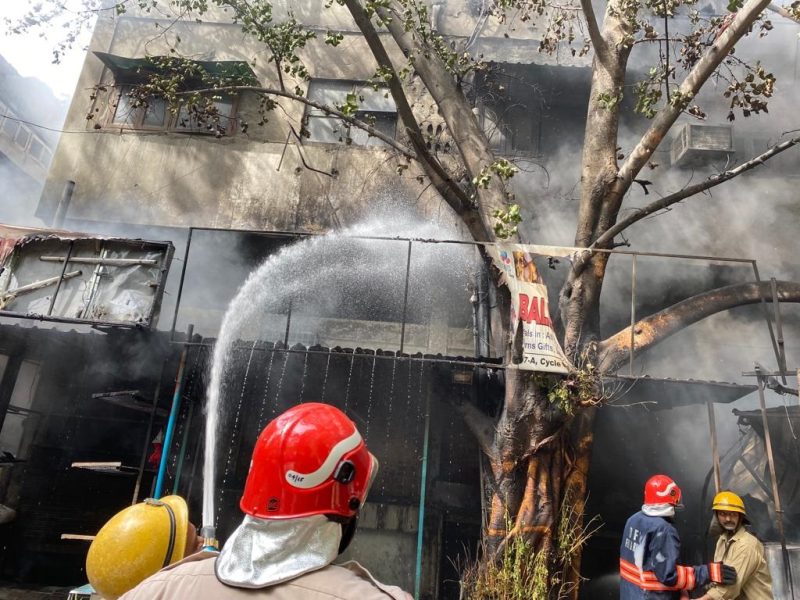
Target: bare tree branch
{"points": [[614, 351], [404, 150], [783, 12], [598, 43], [608, 237], [667, 116], [452, 193], [470, 139]]}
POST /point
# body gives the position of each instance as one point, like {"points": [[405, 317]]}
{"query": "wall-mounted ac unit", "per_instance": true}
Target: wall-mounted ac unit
{"points": [[698, 145]]}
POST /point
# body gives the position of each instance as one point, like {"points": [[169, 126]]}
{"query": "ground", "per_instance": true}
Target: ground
{"points": [[17, 591]]}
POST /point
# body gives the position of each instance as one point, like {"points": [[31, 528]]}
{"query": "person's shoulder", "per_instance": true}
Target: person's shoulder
{"points": [[747, 538], [637, 516], [195, 570], [661, 526], [200, 562], [652, 522], [349, 580]]}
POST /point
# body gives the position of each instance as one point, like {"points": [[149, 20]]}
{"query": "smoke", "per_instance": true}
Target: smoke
{"points": [[348, 275], [20, 195], [754, 216]]}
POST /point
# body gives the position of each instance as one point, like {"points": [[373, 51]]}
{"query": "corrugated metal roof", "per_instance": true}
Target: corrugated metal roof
{"points": [[667, 392]]}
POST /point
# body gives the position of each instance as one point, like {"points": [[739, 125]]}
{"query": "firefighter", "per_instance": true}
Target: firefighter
{"points": [[648, 563], [137, 542], [740, 549], [309, 476]]}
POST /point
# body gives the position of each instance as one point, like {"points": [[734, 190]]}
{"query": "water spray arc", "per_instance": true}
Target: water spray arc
{"points": [[348, 269]]}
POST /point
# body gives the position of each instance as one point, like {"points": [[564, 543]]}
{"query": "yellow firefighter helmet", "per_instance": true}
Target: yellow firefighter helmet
{"points": [[728, 501], [135, 543]]}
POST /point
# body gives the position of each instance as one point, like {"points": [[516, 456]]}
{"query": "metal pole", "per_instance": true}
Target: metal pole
{"points": [[776, 306], [61, 278], [633, 313], [173, 416], [405, 301], [288, 324], [423, 482], [766, 314], [180, 285], [63, 205], [712, 425], [147, 435], [185, 440], [773, 476]]}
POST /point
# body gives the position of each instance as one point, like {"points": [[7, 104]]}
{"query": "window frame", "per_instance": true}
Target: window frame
{"points": [[355, 86], [171, 119]]}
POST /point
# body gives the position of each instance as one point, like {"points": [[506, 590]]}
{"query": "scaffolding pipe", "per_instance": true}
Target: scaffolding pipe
{"points": [[180, 284], [288, 325], [405, 300], [423, 482], [787, 565], [633, 314], [182, 455], [766, 315], [61, 278], [173, 416], [63, 204], [149, 432], [776, 306], [712, 425]]}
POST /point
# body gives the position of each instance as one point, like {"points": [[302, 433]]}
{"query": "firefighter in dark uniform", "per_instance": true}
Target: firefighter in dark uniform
{"points": [[648, 562]]}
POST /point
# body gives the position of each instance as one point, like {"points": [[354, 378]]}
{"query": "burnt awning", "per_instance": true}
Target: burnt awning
{"points": [[134, 70], [669, 393]]}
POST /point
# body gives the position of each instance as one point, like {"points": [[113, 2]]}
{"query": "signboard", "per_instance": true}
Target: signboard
{"points": [[529, 305]]}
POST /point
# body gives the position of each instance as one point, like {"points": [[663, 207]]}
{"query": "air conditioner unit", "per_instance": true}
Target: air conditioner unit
{"points": [[698, 145]]}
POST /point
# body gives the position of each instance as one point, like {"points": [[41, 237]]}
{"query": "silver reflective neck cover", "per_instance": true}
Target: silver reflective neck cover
{"points": [[262, 552], [658, 510]]}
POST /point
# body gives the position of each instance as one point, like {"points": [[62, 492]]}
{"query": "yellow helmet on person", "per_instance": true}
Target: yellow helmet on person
{"points": [[135, 543], [728, 501]]}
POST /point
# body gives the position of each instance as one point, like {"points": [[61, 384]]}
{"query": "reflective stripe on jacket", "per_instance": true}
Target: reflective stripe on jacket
{"points": [[649, 568]]}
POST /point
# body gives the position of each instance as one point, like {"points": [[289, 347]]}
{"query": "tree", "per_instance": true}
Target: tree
{"points": [[538, 449]]}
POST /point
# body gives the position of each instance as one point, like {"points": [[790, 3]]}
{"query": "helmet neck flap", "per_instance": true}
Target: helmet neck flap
{"points": [[265, 552]]}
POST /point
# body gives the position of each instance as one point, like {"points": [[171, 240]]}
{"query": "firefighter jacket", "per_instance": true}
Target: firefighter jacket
{"points": [[194, 578], [648, 562], [745, 553]]}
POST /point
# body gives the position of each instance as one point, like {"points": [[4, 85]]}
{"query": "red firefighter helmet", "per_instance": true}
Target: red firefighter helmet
{"points": [[311, 460], [661, 489]]}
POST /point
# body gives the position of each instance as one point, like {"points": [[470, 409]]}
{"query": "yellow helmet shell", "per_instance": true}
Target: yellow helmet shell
{"points": [[728, 501], [135, 543]]}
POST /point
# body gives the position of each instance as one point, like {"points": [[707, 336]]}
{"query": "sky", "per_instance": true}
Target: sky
{"points": [[32, 55]]}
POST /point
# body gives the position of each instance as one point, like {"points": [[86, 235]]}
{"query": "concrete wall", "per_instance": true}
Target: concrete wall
{"points": [[256, 180]]}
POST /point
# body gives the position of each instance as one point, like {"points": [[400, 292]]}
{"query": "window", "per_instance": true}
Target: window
{"points": [[23, 137], [10, 127], [156, 114], [128, 112], [153, 113], [530, 110], [39, 152], [375, 107], [189, 119], [36, 149]]}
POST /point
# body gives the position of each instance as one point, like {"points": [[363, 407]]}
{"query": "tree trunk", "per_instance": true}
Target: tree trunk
{"points": [[539, 469]]}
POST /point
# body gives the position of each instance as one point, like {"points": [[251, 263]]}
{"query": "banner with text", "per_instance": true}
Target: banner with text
{"points": [[540, 348]]}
